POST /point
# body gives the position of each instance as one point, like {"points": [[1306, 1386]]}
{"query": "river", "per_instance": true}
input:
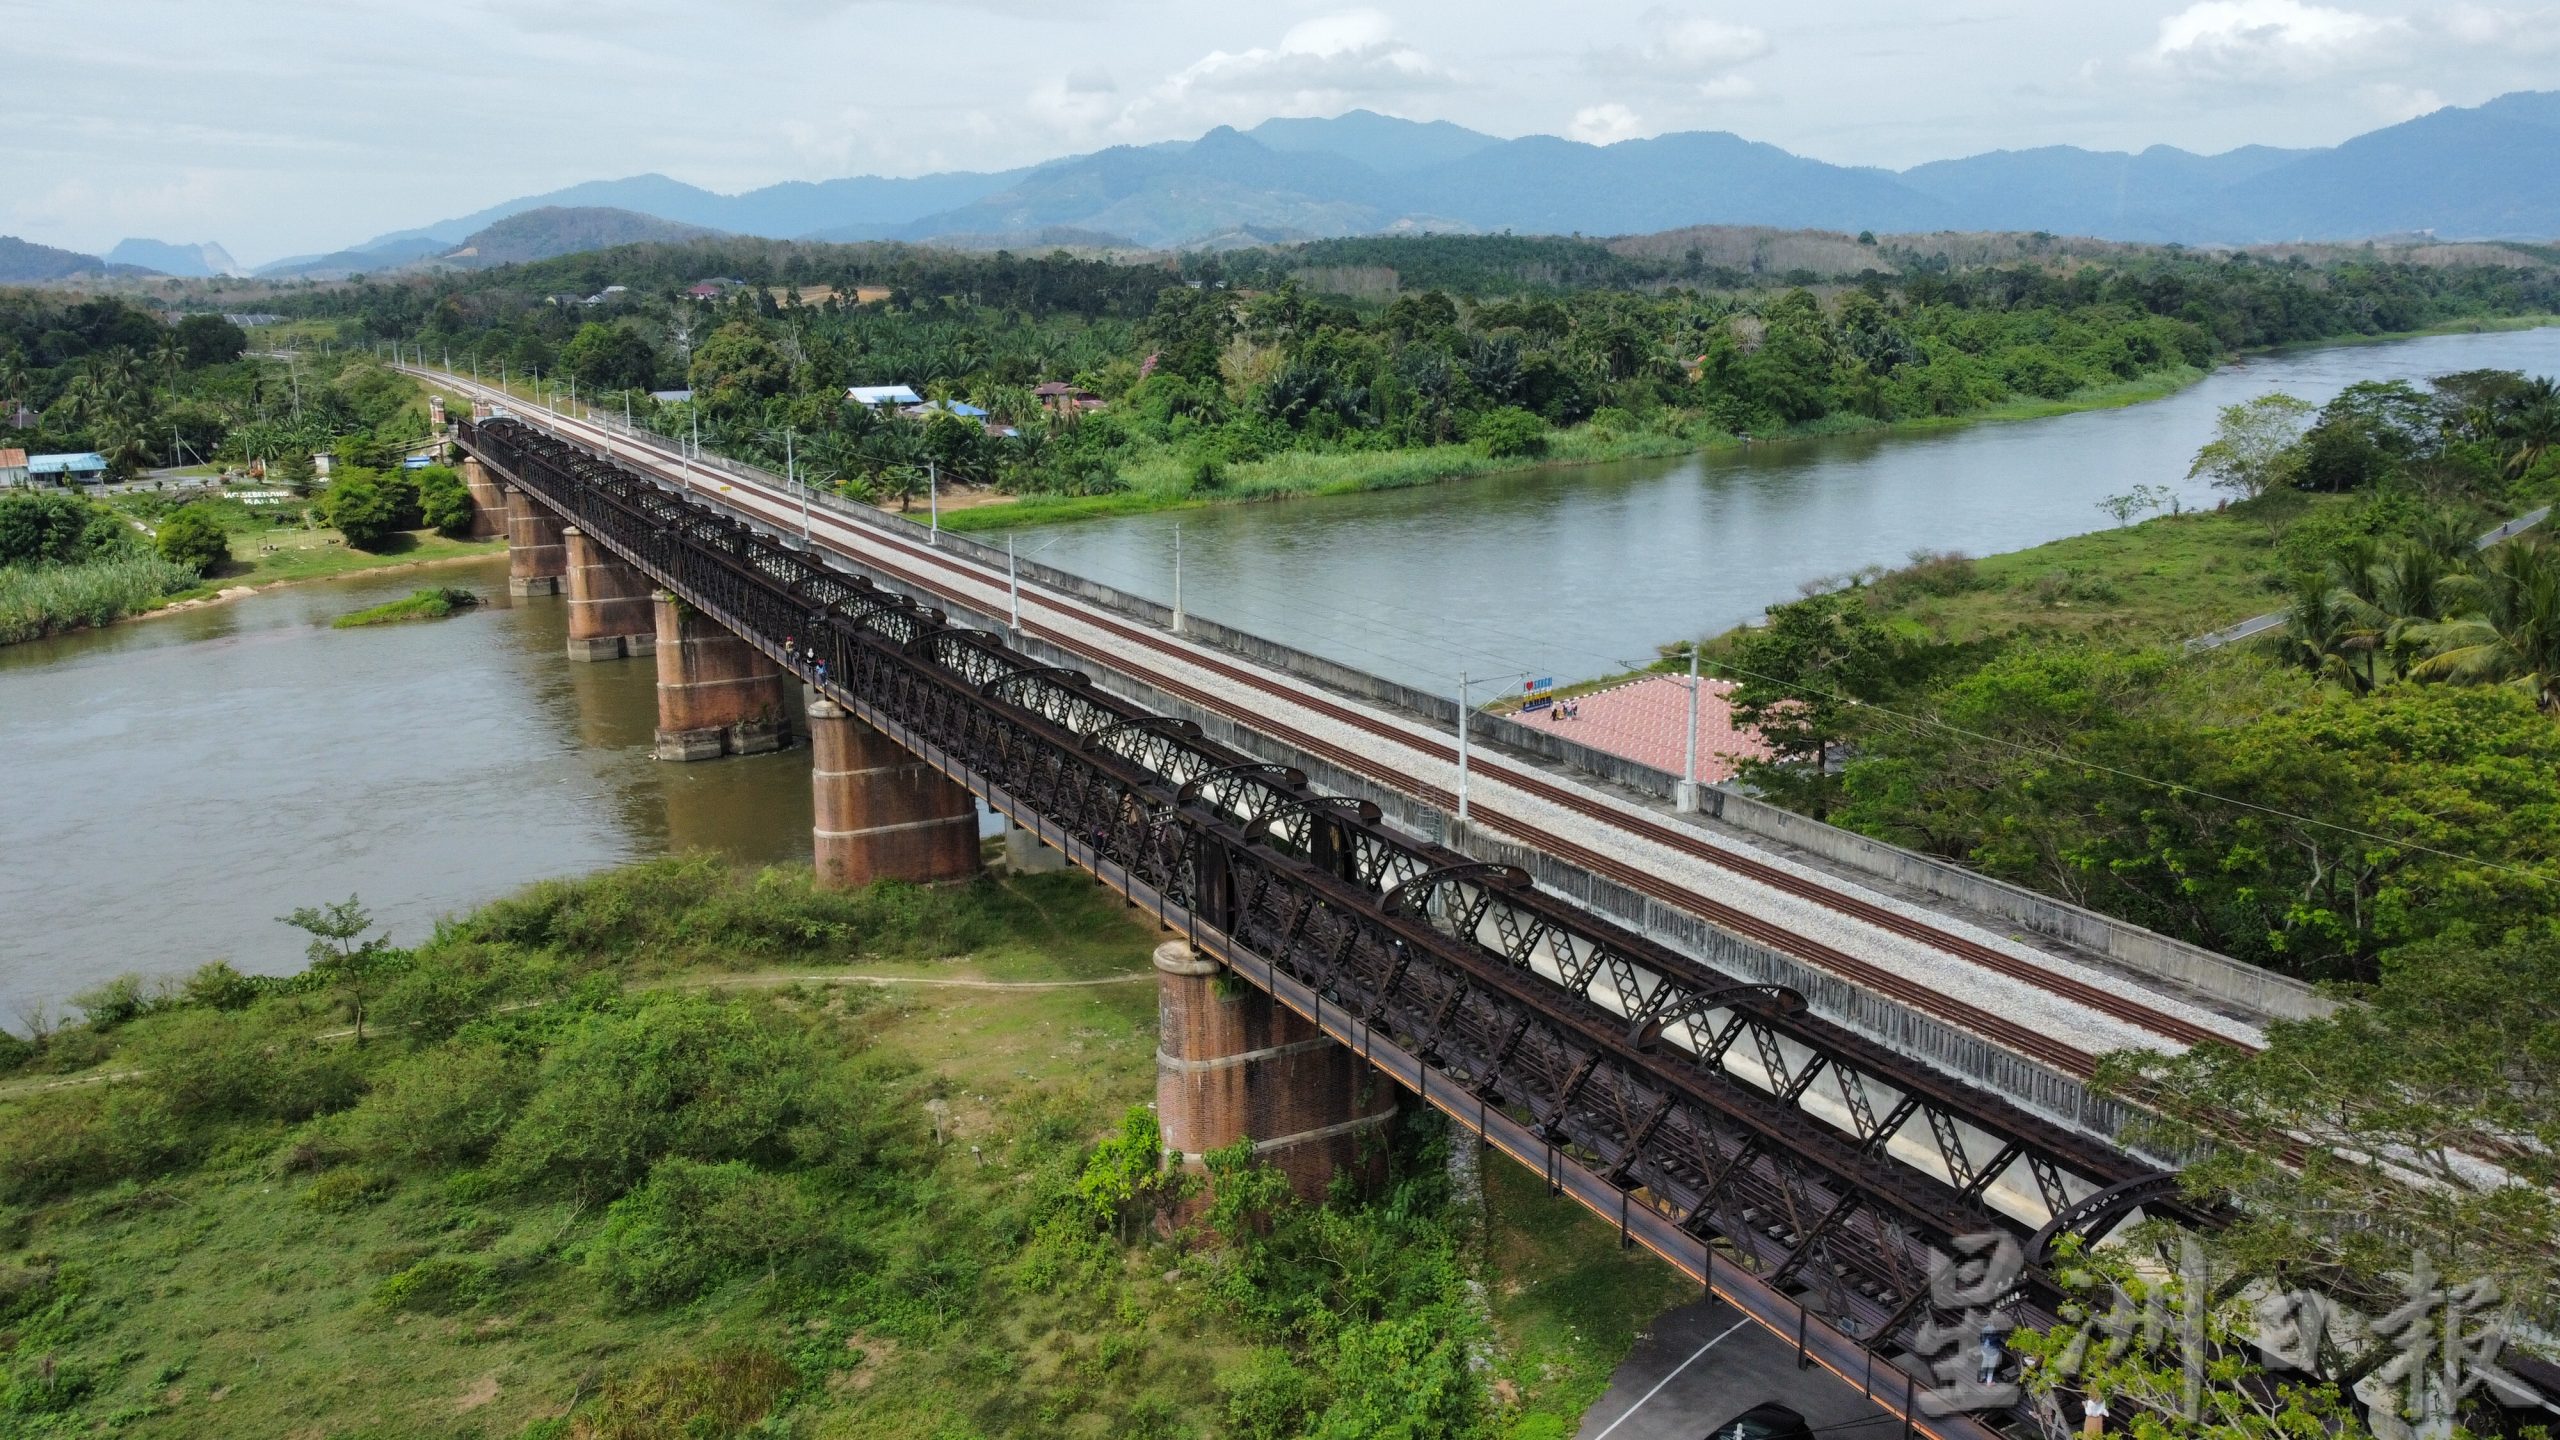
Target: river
{"points": [[1584, 571], [175, 784]]}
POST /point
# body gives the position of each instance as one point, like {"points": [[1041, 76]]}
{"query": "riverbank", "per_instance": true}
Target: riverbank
{"points": [[1166, 481], [585, 1189]]}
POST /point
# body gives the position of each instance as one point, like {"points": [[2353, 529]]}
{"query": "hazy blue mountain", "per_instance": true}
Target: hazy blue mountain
{"points": [[566, 230], [2481, 172], [194, 261], [1166, 195], [1381, 142], [23, 262], [1540, 184], [337, 265], [2071, 191], [2487, 172], [785, 211]]}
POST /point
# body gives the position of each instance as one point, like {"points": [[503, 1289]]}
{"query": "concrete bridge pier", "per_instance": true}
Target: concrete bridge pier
{"points": [[1231, 1062], [880, 812], [610, 614], [717, 694], [536, 557], [488, 507]]}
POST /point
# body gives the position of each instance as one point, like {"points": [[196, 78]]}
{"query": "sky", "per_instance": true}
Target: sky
{"points": [[282, 126]]}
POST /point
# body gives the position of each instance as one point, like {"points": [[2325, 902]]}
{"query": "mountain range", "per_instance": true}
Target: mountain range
{"points": [[2484, 172]]}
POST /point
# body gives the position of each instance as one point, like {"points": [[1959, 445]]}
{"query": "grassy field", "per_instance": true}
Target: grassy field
{"points": [[286, 556], [263, 1272], [2165, 579]]}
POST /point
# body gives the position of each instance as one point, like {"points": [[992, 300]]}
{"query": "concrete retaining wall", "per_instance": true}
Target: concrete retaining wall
{"points": [[2130, 946]]}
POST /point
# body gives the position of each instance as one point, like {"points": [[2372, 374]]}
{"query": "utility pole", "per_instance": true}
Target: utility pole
{"points": [[1013, 584], [693, 415], [791, 473], [1177, 577], [1685, 799], [1462, 747], [933, 498]]}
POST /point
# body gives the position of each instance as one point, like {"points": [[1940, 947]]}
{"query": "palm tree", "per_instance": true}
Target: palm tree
{"points": [[2508, 626], [2534, 433], [2325, 635], [168, 354], [13, 385]]}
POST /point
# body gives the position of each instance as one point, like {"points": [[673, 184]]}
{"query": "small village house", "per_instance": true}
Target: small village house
{"points": [[13, 467], [84, 468]]}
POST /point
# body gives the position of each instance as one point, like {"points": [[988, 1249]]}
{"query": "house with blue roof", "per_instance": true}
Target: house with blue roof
{"points": [[85, 468]]}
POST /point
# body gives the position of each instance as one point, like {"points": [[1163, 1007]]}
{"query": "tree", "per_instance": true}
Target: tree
{"points": [[340, 957], [610, 357], [1510, 433], [444, 502], [1189, 329], [192, 537], [737, 367], [1798, 682], [362, 509], [2252, 452], [210, 340], [39, 529], [2508, 628], [2450, 1058]]}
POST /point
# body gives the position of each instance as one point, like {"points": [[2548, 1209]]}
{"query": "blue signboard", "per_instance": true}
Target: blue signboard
{"points": [[1538, 694]]}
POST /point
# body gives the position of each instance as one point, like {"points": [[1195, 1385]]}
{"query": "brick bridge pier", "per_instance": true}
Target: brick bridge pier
{"points": [[1231, 1064]]}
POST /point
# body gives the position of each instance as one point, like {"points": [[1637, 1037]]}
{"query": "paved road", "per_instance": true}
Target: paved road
{"points": [[1703, 1364]]}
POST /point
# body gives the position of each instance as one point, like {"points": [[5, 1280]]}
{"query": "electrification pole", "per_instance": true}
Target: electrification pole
{"points": [[1462, 747], [1686, 798]]}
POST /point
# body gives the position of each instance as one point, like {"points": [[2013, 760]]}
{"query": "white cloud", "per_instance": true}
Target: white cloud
{"points": [[1607, 124], [1080, 102], [1682, 60], [2395, 103], [1692, 47], [2259, 41], [1320, 65], [2533, 31]]}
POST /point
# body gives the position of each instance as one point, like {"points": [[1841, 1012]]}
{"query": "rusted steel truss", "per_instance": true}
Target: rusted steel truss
{"points": [[1815, 1159]]}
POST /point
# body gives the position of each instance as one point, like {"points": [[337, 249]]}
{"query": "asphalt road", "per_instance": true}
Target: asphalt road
{"points": [[1703, 1364]]}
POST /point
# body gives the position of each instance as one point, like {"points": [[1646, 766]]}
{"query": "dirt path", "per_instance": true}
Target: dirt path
{"points": [[761, 980]]}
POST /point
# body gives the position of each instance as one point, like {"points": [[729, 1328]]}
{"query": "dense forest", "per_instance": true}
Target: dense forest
{"points": [[1214, 362]]}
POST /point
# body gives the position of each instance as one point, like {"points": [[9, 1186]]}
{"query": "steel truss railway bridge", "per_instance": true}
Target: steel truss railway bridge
{"points": [[1808, 1174]]}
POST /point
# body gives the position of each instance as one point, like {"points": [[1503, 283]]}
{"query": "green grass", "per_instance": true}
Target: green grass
{"points": [[1568, 1302], [2163, 580], [245, 1285], [432, 603], [289, 556]]}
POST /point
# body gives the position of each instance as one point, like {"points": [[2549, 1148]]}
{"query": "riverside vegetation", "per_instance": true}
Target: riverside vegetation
{"points": [[630, 1156], [1227, 377], [2368, 797]]}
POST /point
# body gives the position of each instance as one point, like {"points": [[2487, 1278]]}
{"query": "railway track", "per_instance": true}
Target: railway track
{"points": [[938, 573]]}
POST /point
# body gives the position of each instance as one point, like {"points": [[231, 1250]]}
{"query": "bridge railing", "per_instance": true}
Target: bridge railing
{"points": [[1621, 1059]]}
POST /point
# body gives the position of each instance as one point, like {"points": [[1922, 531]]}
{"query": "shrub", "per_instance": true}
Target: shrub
{"points": [[1510, 433], [692, 1225], [437, 1285], [40, 529], [680, 1075], [444, 1106], [361, 509], [217, 986], [722, 1392], [194, 538], [117, 1002], [340, 1191], [444, 502]]}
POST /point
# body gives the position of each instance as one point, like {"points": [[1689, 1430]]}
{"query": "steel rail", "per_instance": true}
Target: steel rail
{"points": [[1221, 837]]}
